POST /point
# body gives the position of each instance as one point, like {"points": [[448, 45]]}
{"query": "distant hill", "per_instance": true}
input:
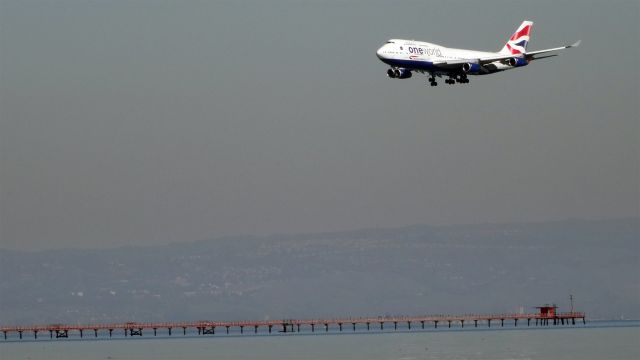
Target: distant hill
{"points": [[411, 270]]}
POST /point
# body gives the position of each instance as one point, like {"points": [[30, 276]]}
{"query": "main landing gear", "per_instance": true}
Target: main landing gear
{"points": [[462, 79]]}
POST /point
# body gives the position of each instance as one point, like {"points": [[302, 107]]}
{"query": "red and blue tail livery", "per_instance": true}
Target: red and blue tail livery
{"points": [[407, 56], [517, 43]]}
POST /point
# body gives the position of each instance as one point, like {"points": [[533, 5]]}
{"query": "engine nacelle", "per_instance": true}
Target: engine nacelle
{"points": [[470, 68], [399, 73], [516, 62]]}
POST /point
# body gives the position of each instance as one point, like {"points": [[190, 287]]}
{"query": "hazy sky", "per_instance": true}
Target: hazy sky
{"points": [[147, 122]]}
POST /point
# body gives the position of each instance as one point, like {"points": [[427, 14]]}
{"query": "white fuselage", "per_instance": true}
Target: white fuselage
{"points": [[421, 56], [408, 56]]}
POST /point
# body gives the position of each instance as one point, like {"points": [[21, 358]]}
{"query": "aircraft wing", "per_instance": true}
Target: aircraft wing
{"points": [[450, 64], [529, 55]]}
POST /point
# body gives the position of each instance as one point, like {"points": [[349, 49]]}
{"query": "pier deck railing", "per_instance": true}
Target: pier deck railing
{"points": [[205, 327]]}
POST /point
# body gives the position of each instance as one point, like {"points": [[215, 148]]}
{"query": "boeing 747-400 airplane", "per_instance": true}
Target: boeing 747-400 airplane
{"points": [[405, 56]]}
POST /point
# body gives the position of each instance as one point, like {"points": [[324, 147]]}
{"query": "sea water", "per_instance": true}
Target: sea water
{"points": [[596, 340]]}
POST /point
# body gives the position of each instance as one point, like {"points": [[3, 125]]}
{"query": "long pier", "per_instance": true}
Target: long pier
{"points": [[544, 318]]}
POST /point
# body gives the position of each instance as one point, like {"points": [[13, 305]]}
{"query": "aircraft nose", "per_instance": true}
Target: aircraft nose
{"points": [[379, 53]]}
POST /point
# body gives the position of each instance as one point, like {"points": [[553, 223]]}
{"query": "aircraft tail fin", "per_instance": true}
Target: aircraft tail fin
{"points": [[518, 42]]}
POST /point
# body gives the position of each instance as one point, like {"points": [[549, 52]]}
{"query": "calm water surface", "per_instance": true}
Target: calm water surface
{"points": [[620, 340]]}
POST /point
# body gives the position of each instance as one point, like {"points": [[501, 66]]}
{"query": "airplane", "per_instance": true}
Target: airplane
{"points": [[407, 56]]}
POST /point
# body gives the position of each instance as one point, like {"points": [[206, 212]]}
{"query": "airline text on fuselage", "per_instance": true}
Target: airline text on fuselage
{"points": [[425, 51]]}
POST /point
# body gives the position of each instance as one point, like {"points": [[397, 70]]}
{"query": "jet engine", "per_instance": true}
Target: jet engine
{"points": [[399, 73], [470, 68], [515, 62]]}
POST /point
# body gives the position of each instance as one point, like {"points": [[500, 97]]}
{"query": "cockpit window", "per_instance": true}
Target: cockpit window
{"points": [[390, 42]]}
